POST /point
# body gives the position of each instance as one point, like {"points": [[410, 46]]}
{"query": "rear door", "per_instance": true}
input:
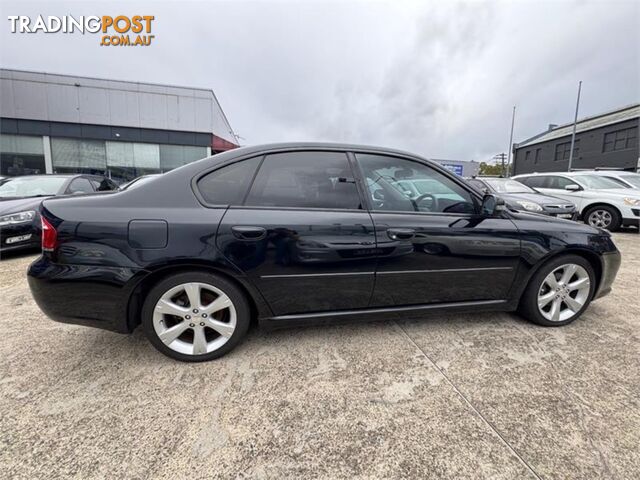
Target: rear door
{"points": [[433, 246], [302, 235]]}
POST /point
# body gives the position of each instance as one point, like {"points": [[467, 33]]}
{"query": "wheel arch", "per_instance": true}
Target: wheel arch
{"points": [[589, 255], [590, 206], [257, 304]]}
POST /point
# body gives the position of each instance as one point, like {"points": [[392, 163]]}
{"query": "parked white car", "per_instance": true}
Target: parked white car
{"points": [[628, 179], [602, 202]]}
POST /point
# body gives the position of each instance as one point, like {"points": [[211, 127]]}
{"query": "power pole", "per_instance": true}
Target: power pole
{"points": [[513, 121], [573, 134], [501, 157]]}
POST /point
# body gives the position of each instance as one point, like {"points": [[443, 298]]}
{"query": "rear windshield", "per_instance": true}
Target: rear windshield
{"points": [[31, 186]]}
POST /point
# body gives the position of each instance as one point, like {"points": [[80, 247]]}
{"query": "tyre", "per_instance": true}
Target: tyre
{"points": [[603, 216], [195, 316], [559, 291]]}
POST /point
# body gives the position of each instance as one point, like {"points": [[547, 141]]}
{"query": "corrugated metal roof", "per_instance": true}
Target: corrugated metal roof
{"points": [[585, 124]]}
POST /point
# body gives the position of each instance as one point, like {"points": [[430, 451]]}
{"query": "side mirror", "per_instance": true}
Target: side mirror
{"points": [[572, 187], [492, 205]]}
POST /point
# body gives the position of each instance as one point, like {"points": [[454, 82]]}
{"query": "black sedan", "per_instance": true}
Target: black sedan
{"points": [[293, 234], [20, 199], [518, 196]]}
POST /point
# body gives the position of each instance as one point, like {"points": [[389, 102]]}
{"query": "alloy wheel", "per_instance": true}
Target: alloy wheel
{"points": [[600, 218], [564, 292], [194, 318]]}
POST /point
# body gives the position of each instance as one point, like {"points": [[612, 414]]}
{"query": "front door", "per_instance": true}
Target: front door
{"points": [[302, 235], [433, 247]]}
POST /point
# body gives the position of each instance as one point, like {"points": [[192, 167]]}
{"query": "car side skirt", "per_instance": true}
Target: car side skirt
{"points": [[381, 314]]}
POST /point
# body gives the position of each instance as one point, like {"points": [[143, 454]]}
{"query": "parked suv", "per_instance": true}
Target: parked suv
{"points": [[602, 202], [302, 233], [518, 196]]}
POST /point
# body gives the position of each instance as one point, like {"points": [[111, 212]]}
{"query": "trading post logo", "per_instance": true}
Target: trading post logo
{"points": [[121, 30]]}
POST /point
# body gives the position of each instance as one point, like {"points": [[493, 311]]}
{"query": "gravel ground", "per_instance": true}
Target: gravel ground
{"points": [[456, 396]]}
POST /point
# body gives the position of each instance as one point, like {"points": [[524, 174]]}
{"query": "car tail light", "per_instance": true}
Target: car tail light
{"points": [[49, 236]]}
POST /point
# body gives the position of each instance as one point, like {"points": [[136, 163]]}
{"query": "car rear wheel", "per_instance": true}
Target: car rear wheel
{"points": [[559, 292], [195, 316], [603, 216]]}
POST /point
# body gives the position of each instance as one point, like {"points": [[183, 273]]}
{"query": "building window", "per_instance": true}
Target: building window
{"points": [[563, 149], [172, 156], [527, 155], [620, 139], [538, 155], [70, 155], [21, 155]]}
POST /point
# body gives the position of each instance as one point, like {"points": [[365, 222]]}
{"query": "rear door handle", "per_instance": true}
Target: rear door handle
{"points": [[401, 233], [250, 233]]}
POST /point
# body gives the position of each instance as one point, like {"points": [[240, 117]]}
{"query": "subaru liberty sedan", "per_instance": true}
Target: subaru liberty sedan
{"points": [[300, 233]]}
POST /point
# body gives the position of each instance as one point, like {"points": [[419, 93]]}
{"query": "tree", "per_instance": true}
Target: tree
{"points": [[490, 170]]}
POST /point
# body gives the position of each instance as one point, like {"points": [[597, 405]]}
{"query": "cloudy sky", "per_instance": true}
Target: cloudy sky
{"points": [[439, 79]]}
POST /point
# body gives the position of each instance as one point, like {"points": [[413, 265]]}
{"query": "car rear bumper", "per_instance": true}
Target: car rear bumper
{"points": [[610, 266], [94, 296]]}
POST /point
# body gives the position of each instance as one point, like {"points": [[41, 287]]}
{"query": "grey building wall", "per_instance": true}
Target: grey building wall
{"points": [[91, 101], [66, 124], [590, 152]]}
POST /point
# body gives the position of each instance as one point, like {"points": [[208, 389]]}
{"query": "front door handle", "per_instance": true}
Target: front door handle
{"points": [[250, 233], [401, 233]]}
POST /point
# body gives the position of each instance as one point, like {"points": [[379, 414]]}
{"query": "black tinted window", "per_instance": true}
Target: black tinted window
{"points": [[305, 179], [535, 182], [478, 184], [102, 184], [399, 184], [228, 185], [80, 185]]}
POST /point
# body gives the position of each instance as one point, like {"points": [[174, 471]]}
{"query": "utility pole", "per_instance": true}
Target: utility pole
{"points": [[501, 157], [513, 121], [573, 134]]}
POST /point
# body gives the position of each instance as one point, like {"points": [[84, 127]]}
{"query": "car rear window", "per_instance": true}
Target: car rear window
{"points": [[305, 180], [228, 185]]}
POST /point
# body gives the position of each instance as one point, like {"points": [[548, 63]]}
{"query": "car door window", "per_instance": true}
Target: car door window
{"points": [[80, 185], [478, 184], [560, 182], [398, 184], [228, 185], [536, 182], [305, 180], [102, 184]]}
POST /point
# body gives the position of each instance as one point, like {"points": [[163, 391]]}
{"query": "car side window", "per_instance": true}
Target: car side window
{"points": [[228, 185], [305, 180], [80, 185], [560, 182], [478, 184], [398, 184], [536, 182], [102, 184]]}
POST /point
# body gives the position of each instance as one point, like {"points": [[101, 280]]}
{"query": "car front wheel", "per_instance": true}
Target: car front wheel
{"points": [[559, 291], [195, 316], [603, 216]]}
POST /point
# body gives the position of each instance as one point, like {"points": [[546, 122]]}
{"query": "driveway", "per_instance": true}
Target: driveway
{"points": [[456, 396]]}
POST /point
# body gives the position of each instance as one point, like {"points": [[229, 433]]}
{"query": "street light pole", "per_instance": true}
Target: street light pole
{"points": [[513, 120], [573, 134]]}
